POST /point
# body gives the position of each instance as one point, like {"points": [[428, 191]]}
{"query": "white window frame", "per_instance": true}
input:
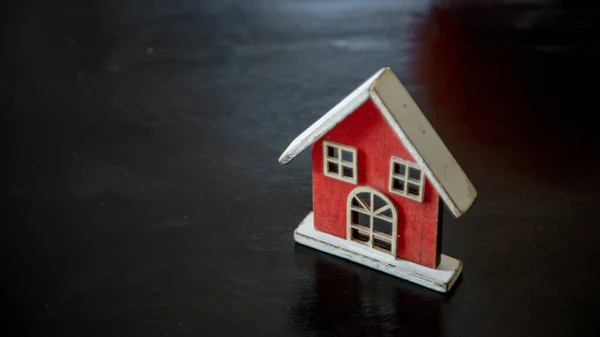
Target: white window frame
{"points": [[372, 213], [340, 162], [408, 165]]}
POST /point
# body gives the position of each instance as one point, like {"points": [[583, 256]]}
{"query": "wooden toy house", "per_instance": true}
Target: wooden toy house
{"points": [[380, 176]]}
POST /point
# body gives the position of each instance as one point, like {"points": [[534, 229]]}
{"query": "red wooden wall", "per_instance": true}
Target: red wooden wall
{"points": [[376, 142]]}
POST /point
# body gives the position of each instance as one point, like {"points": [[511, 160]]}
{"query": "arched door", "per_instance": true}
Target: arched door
{"points": [[372, 220]]}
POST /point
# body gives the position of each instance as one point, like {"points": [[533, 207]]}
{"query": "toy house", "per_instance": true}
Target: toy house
{"points": [[381, 175]]}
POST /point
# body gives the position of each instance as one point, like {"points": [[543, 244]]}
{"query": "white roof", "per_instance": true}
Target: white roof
{"points": [[413, 128]]}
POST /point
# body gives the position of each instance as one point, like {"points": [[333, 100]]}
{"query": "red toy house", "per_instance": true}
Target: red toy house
{"points": [[380, 175]]}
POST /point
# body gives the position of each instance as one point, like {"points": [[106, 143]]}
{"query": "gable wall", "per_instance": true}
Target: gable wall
{"points": [[367, 130]]}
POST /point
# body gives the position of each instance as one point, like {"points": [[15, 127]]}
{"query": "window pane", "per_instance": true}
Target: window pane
{"points": [[332, 152], [387, 212], [361, 219], [413, 189], [379, 203], [399, 169], [414, 174], [398, 185], [347, 156], [360, 236], [382, 226], [382, 244], [332, 167], [356, 203], [365, 198], [347, 172]]}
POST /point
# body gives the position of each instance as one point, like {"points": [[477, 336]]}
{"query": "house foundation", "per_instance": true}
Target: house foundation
{"points": [[440, 279]]}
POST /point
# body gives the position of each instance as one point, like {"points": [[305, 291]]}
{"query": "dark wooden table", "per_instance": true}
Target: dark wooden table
{"points": [[144, 195]]}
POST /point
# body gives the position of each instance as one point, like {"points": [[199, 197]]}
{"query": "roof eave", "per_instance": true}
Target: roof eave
{"points": [[456, 210], [367, 90], [328, 121]]}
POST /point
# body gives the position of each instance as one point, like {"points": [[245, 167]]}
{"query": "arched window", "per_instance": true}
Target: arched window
{"points": [[372, 220]]}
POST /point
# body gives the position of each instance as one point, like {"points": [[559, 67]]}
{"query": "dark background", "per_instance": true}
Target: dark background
{"points": [[144, 196]]}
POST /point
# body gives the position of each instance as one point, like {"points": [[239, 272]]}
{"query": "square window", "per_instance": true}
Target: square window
{"points": [[413, 189], [414, 174], [332, 152], [406, 179], [333, 167], [347, 171], [347, 156], [398, 184], [339, 162], [399, 169]]}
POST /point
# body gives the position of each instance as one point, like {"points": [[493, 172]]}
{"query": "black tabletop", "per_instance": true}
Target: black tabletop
{"points": [[145, 197]]}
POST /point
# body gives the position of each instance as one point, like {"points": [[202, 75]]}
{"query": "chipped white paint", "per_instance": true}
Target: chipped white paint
{"points": [[411, 126], [441, 279], [423, 142], [328, 121]]}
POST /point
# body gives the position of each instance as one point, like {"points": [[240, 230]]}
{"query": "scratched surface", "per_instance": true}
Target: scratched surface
{"points": [[144, 195]]}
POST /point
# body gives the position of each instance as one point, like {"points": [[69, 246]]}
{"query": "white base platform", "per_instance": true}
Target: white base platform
{"points": [[441, 279]]}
